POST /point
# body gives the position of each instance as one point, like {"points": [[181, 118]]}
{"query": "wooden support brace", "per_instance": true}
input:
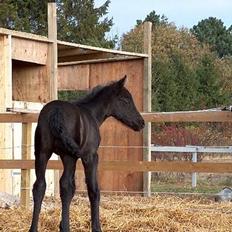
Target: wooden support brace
{"points": [[26, 155]]}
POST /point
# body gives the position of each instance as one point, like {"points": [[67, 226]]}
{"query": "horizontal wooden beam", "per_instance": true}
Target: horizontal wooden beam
{"points": [[24, 35], [27, 164], [104, 60], [189, 116], [74, 52], [129, 166], [185, 116], [22, 110], [166, 166], [83, 57], [63, 45], [18, 117]]}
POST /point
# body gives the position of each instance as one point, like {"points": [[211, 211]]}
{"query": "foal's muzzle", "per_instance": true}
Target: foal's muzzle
{"points": [[139, 125]]}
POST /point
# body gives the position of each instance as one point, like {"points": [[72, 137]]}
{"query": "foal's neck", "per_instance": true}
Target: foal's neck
{"points": [[99, 111]]}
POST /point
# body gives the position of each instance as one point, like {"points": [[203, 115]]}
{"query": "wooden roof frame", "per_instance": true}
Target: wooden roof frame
{"points": [[74, 52], [82, 47]]}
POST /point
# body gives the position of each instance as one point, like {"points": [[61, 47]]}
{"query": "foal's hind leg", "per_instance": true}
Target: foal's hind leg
{"points": [[39, 187], [67, 189], [90, 166]]}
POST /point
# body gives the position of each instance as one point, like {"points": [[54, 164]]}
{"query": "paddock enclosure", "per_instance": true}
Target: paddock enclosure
{"points": [[34, 68]]}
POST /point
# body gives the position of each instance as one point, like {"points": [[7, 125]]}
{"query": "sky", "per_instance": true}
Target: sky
{"points": [[184, 13]]}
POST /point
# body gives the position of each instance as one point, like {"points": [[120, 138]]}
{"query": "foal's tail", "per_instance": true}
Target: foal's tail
{"points": [[59, 131]]}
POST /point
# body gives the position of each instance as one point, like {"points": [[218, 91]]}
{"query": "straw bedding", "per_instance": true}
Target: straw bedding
{"points": [[128, 214]]}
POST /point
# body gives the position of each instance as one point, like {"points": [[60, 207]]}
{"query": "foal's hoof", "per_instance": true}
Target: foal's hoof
{"points": [[64, 228]]}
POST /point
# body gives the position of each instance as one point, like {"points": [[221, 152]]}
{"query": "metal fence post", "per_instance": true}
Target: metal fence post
{"points": [[194, 174]]}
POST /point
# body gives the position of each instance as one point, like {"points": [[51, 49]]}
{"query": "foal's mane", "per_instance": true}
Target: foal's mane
{"points": [[93, 93]]}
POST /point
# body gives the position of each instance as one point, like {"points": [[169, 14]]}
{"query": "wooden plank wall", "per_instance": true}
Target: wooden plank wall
{"points": [[73, 77], [29, 51], [113, 133], [30, 71], [30, 83]]}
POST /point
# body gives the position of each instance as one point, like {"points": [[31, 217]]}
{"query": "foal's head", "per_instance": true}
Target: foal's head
{"points": [[122, 106]]}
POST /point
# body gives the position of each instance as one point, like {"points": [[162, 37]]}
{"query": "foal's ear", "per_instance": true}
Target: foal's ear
{"points": [[122, 82], [118, 85]]}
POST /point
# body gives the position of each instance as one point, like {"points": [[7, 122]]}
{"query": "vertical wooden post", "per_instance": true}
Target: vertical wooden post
{"points": [[26, 155], [52, 69], [147, 105], [5, 101], [52, 53], [6, 72]]}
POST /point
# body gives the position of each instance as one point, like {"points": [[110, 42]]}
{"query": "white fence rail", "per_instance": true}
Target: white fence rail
{"points": [[194, 150]]}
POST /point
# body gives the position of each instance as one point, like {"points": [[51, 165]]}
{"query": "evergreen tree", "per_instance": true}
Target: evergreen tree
{"points": [[27, 15], [213, 32], [78, 20], [210, 94], [154, 18], [164, 87], [175, 85]]}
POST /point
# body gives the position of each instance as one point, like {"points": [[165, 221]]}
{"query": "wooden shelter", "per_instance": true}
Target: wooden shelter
{"points": [[34, 68]]}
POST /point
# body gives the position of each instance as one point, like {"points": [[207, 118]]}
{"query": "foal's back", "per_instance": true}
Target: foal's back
{"points": [[58, 121], [66, 128]]}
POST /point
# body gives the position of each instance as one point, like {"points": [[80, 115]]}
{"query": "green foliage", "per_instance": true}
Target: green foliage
{"points": [[186, 75], [224, 67], [213, 32], [27, 15], [71, 95], [78, 20], [174, 85], [209, 90], [155, 19]]}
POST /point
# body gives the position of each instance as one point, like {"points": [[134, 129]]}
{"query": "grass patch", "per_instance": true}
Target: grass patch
{"points": [[184, 188], [211, 185]]}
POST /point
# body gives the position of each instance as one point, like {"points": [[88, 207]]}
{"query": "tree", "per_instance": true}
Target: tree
{"points": [[155, 19], [186, 75], [175, 85], [213, 32], [27, 15], [210, 93], [78, 20]]}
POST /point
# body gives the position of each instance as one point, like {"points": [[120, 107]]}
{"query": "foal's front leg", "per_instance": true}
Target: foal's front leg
{"points": [[90, 166], [67, 189]]}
